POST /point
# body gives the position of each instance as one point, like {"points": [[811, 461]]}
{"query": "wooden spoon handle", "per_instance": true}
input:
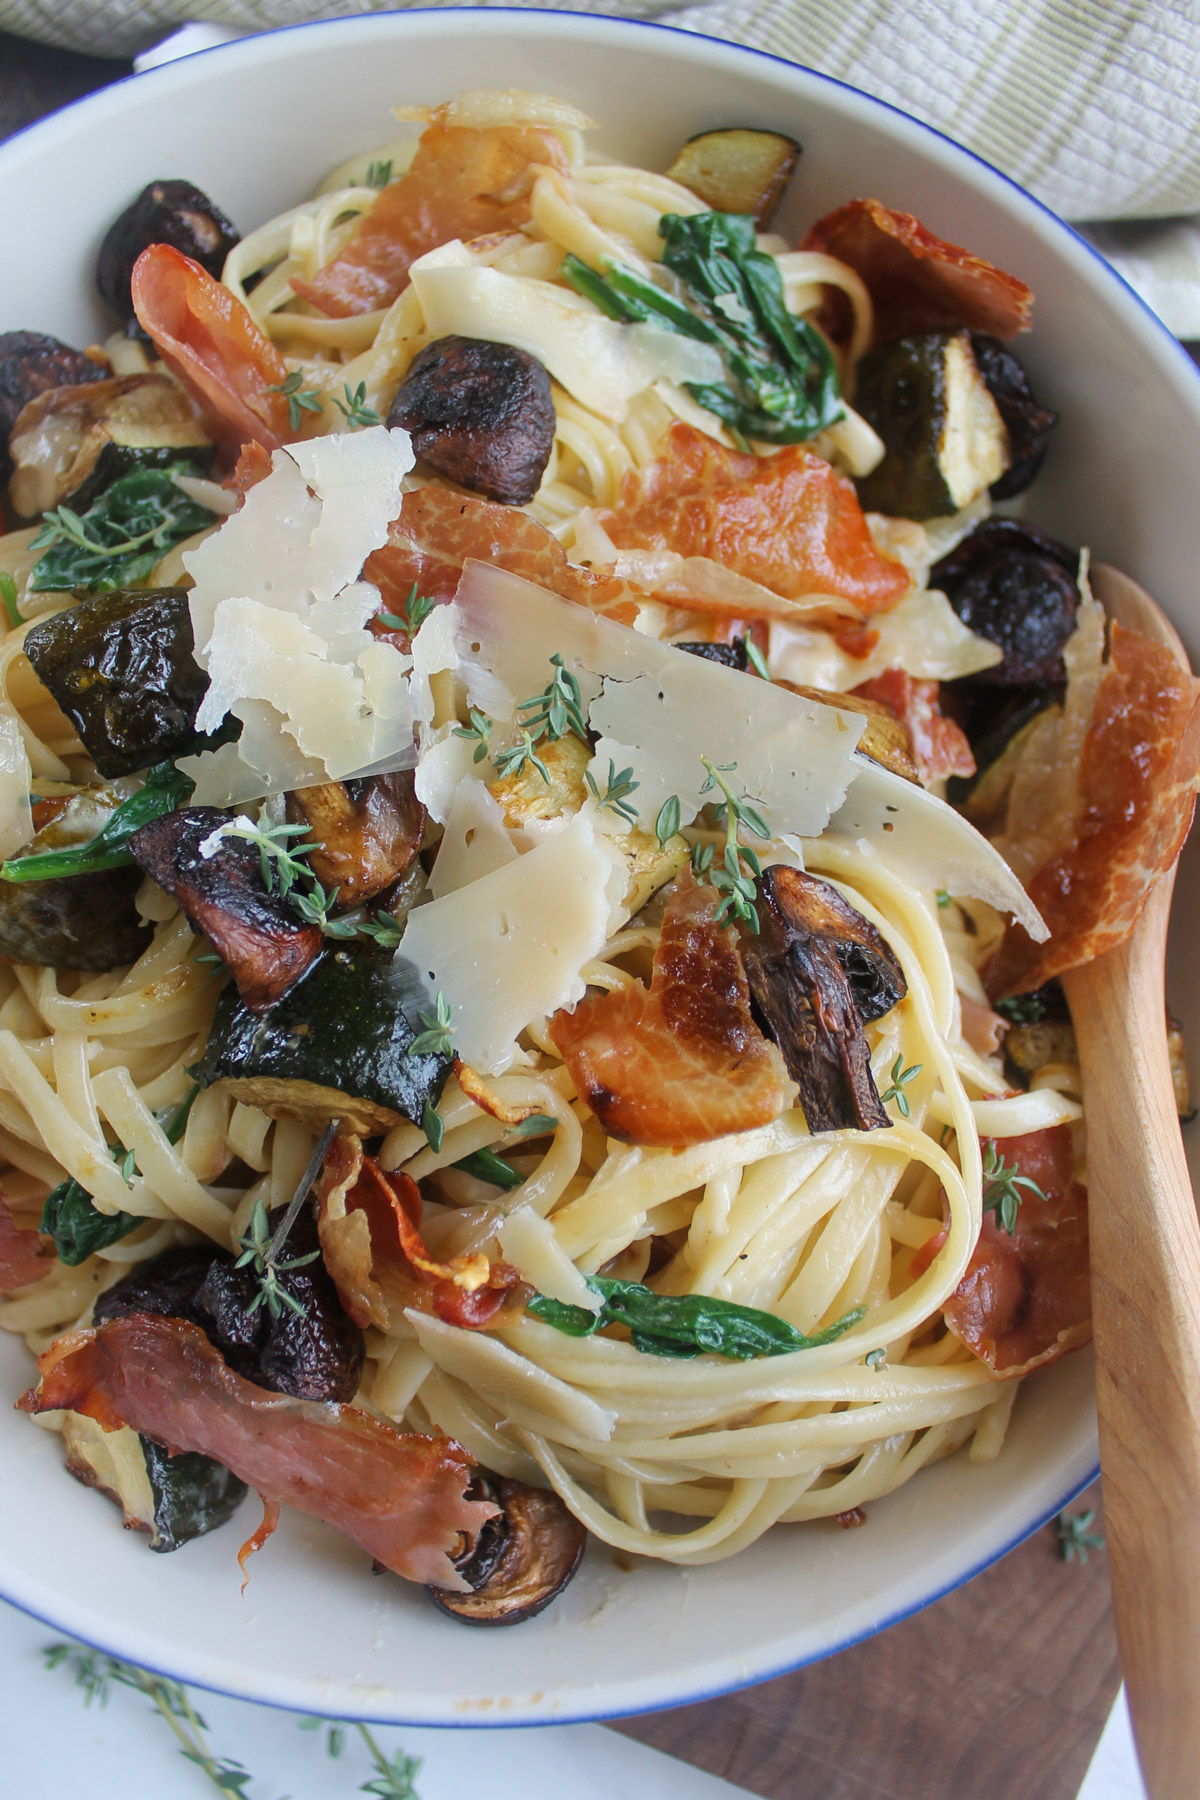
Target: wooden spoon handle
{"points": [[1145, 1255]]}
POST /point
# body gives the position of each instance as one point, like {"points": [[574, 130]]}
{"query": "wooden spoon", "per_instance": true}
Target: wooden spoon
{"points": [[1145, 1256]]}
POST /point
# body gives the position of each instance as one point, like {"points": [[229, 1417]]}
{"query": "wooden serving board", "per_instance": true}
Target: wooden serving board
{"points": [[998, 1692]]}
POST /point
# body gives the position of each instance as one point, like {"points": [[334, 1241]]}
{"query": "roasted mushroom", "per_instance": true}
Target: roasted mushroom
{"points": [[730, 656], [1028, 424], [370, 832], [314, 1354], [338, 1046], [73, 442], [74, 921], [30, 364], [737, 170], [818, 972], [481, 414], [121, 667], [520, 1561], [165, 212], [1012, 583], [219, 883]]}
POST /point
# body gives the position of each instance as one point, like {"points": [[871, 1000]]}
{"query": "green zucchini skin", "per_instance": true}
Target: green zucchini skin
{"points": [[945, 439], [75, 922], [122, 668], [336, 1046], [192, 1495]]}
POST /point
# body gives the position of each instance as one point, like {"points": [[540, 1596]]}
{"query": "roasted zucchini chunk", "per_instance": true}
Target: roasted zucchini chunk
{"points": [[338, 1046], [121, 667], [1028, 424], [481, 414], [370, 832], [884, 740], [945, 439], [73, 442], [173, 1498], [219, 884], [818, 971], [1013, 584], [737, 170], [165, 212], [521, 1559], [315, 1353], [74, 921], [30, 364]]}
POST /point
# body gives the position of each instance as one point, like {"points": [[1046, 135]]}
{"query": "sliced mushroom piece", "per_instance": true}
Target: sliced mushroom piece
{"points": [[30, 364], [221, 889], [521, 1560], [481, 414], [817, 971], [1015, 585], [370, 832], [73, 442], [165, 212]]}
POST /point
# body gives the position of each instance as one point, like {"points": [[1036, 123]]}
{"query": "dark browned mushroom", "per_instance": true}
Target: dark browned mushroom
{"points": [[481, 414], [818, 971], [30, 364], [165, 212], [221, 889], [370, 832], [520, 1561]]}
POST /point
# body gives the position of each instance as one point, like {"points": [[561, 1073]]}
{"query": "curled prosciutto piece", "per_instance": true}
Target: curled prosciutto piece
{"points": [[24, 1256], [1026, 1298], [398, 1495], [438, 531], [786, 521], [917, 281], [682, 1061], [461, 184], [206, 336], [1135, 796], [939, 746]]}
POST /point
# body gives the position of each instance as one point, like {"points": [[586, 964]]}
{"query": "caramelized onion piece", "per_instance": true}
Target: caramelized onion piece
{"points": [[817, 971], [256, 933], [520, 1561]]}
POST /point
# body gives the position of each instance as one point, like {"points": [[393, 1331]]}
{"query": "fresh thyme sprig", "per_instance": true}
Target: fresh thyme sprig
{"points": [[434, 1127], [616, 792], [281, 859], [417, 609], [8, 598], [1022, 1009], [315, 907], [737, 874], [394, 1776], [480, 727], [757, 660], [299, 398], [379, 173], [557, 710], [437, 1039], [943, 899], [1000, 1184], [900, 1080], [96, 1674], [354, 408], [512, 761], [1075, 1538], [265, 1251]]}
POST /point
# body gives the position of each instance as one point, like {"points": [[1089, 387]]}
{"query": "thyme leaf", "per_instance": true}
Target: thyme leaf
{"points": [[512, 761], [379, 173], [670, 815], [1075, 1538], [480, 727], [8, 598], [1001, 1182], [900, 1080], [299, 398], [756, 659], [557, 710], [437, 1039], [736, 875], [1022, 1009]]}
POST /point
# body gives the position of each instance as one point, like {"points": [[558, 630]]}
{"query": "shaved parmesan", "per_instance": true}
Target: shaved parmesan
{"points": [[509, 948], [279, 615], [658, 709], [515, 1385], [475, 843], [530, 1244], [921, 634], [601, 363], [16, 816], [932, 843]]}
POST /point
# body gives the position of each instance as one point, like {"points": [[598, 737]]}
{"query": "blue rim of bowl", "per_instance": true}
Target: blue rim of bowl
{"points": [[459, 18]]}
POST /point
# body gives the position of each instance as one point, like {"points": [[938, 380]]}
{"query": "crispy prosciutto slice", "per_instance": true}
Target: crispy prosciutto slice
{"points": [[369, 1227], [399, 1496], [939, 746], [1137, 793], [917, 282], [206, 336], [438, 531], [1026, 1299], [786, 521], [24, 1255], [682, 1061], [462, 183]]}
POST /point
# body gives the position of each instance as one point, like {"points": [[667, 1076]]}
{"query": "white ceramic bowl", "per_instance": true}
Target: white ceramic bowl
{"points": [[257, 124]]}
